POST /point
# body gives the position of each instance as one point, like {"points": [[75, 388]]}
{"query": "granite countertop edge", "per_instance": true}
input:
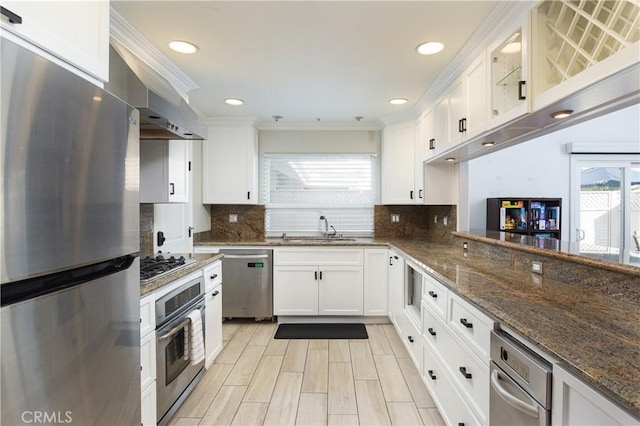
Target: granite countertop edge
{"points": [[200, 261]]}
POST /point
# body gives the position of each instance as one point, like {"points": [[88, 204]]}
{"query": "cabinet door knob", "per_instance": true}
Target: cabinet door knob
{"points": [[215, 293], [410, 338], [431, 374], [431, 331], [214, 276], [13, 18], [433, 294], [463, 371], [466, 323]]}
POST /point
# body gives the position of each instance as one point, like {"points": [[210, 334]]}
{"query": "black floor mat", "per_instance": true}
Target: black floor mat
{"points": [[322, 331]]}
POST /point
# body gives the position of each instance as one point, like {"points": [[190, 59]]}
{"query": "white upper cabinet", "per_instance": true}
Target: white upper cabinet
{"points": [[468, 103], [230, 166], [576, 44], [509, 79], [398, 163], [440, 142], [77, 32], [164, 171]]}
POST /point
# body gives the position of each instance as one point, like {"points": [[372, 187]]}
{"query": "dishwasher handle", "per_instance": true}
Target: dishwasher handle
{"points": [[528, 409], [246, 256]]}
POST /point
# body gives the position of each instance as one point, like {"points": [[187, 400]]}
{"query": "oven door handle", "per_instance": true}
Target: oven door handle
{"points": [[175, 330], [528, 409]]}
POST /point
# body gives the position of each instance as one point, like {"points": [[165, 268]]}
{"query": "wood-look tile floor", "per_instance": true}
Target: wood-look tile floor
{"points": [[258, 380]]}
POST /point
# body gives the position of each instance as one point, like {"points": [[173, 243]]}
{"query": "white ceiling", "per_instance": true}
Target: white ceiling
{"points": [[306, 60]]}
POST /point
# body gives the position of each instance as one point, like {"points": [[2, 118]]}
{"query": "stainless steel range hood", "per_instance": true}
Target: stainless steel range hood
{"points": [[163, 112]]}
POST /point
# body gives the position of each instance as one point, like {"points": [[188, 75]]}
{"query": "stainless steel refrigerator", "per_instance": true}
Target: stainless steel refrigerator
{"points": [[69, 320]]}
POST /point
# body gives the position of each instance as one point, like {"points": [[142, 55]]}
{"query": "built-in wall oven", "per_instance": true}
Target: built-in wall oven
{"points": [[520, 392], [176, 376]]}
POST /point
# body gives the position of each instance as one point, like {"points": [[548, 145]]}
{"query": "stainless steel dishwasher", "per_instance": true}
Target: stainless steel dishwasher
{"points": [[248, 283], [520, 384]]}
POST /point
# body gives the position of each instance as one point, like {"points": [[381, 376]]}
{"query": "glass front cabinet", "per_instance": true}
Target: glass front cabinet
{"points": [[509, 74]]}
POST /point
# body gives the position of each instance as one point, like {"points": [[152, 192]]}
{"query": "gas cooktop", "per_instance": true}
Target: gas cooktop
{"points": [[151, 267]]}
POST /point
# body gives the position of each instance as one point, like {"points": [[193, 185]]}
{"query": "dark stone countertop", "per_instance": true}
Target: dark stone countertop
{"points": [[595, 336], [200, 261], [592, 334]]}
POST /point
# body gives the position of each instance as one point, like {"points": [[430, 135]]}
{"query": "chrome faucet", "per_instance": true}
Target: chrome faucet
{"points": [[326, 233]]}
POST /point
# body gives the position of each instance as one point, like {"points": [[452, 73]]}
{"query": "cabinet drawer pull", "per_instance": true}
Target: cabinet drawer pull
{"points": [[248, 195], [13, 18], [463, 371], [433, 294], [214, 276], [460, 126], [420, 194], [320, 274], [431, 374], [316, 274], [466, 323], [460, 424], [173, 189], [521, 96], [411, 194], [464, 124], [431, 331], [215, 293], [410, 338], [432, 144]]}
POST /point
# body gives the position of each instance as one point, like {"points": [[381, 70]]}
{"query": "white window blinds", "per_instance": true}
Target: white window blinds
{"points": [[299, 188]]}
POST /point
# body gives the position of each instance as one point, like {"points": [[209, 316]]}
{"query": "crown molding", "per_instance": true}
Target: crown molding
{"points": [[503, 15], [230, 121], [130, 38]]}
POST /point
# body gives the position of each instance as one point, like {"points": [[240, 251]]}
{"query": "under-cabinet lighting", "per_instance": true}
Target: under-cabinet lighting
{"points": [[97, 98], [398, 101], [562, 114], [183, 47], [488, 144], [234, 101], [430, 48]]}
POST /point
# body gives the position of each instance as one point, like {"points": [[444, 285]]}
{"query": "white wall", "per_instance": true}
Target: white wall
{"points": [[319, 141], [201, 213], [540, 167]]}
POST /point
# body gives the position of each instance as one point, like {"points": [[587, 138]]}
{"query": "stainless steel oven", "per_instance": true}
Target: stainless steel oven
{"points": [[520, 392], [176, 377]]}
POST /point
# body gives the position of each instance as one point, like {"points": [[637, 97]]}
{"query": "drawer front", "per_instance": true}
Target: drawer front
{"points": [[319, 256], [436, 295], [147, 360], [147, 315], [450, 402], [413, 341], [432, 328], [471, 325], [212, 275]]}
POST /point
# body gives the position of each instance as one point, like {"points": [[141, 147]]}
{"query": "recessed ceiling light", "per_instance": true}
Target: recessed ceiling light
{"points": [[430, 47], [488, 143], [398, 101], [97, 98], [450, 159], [183, 46], [562, 114], [234, 101]]}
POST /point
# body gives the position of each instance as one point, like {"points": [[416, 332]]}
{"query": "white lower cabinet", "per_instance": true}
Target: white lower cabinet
{"points": [[148, 404], [295, 290], [576, 403], [213, 312], [148, 361], [376, 270], [213, 325], [396, 288], [451, 404], [318, 281]]}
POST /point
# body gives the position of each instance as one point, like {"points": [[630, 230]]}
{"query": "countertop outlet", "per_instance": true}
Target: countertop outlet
{"points": [[536, 267]]}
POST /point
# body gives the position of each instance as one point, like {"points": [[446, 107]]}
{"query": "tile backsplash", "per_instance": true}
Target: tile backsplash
{"points": [[146, 228], [414, 222]]}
